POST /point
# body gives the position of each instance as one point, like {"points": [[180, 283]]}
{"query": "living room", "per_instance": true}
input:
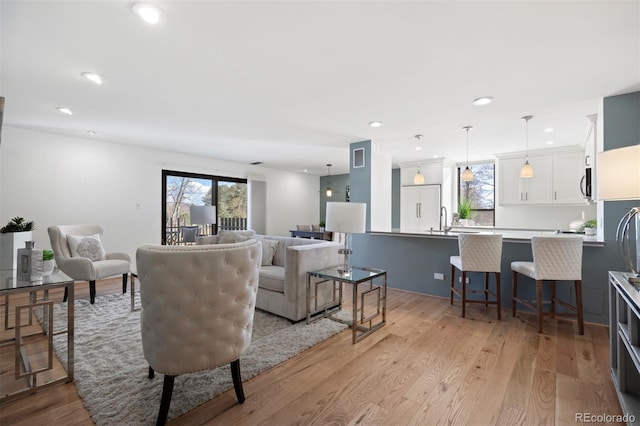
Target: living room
{"points": [[55, 172]]}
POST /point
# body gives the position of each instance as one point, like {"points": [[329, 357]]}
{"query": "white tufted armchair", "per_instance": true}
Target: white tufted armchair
{"points": [[197, 309], [81, 268]]}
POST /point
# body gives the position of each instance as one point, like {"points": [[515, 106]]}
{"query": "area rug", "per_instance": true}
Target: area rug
{"points": [[111, 372]]}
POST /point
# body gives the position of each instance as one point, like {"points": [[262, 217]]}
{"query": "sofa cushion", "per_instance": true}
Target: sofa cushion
{"points": [[272, 278], [226, 237], [268, 250]]}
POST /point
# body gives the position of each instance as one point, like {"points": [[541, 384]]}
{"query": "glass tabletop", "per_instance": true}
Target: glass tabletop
{"points": [[357, 274], [8, 280]]}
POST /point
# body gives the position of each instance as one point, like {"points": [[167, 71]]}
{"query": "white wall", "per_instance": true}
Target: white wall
{"points": [[54, 179]]}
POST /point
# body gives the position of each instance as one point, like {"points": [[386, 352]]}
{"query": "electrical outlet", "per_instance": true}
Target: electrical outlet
{"points": [[438, 276], [460, 280]]}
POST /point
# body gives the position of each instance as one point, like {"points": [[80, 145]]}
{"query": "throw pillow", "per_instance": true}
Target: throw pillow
{"points": [[88, 246], [268, 250], [226, 237]]}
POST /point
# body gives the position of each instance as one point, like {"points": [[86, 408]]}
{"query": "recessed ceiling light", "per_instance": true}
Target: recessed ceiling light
{"points": [[305, 170], [435, 156], [418, 148], [92, 133], [65, 110], [548, 130], [147, 12], [92, 76], [375, 123], [549, 142], [484, 100]]}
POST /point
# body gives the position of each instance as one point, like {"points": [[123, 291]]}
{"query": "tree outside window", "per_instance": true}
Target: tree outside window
{"points": [[481, 192]]}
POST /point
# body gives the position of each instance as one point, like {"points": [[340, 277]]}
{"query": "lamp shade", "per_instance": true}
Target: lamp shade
{"points": [[527, 170], [418, 179], [467, 175], [350, 218], [618, 174], [203, 215]]}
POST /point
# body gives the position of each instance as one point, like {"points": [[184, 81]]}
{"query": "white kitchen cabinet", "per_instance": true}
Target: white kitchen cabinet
{"points": [[420, 207], [568, 170], [557, 175], [517, 190], [432, 170]]}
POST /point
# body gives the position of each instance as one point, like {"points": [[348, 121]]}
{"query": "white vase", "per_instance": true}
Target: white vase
{"points": [[48, 266], [9, 245]]}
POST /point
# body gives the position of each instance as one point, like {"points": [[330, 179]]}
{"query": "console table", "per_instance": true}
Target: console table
{"points": [[624, 334], [22, 367], [318, 235], [362, 324]]}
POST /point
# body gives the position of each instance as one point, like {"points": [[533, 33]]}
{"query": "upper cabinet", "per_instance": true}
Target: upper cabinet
{"points": [[432, 170], [557, 177]]}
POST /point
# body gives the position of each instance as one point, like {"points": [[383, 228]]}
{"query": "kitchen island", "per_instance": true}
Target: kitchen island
{"points": [[419, 262]]}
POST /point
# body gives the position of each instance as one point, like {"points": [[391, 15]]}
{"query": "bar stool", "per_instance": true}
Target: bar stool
{"points": [[554, 259], [478, 253]]}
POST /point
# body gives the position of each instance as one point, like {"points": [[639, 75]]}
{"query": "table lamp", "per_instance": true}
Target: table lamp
{"points": [[618, 178], [347, 218], [203, 215]]}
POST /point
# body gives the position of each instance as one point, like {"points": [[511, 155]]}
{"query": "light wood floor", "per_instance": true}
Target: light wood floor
{"points": [[426, 366]]}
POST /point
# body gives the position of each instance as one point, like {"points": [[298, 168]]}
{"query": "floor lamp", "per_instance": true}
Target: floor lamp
{"points": [[348, 218], [618, 178], [203, 215]]}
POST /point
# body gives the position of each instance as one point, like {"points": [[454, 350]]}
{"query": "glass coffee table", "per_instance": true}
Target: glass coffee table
{"points": [[23, 368], [369, 309]]}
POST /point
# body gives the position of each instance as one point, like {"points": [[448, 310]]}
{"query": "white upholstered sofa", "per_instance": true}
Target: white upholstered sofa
{"points": [[282, 288]]}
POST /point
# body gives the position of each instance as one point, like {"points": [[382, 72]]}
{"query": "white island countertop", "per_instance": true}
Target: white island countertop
{"points": [[508, 234]]}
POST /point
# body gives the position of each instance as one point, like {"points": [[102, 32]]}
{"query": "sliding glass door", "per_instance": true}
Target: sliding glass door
{"points": [[185, 198]]}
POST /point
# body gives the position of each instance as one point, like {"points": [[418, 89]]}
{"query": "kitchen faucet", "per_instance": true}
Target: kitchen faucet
{"points": [[446, 228]]}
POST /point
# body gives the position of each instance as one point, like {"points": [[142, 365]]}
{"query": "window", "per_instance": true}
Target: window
{"points": [[481, 192], [181, 190]]}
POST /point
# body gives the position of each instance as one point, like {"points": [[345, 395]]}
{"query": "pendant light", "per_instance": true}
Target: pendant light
{"points": [[467, 174], [329, 191], [418, 179], [527, 170]]}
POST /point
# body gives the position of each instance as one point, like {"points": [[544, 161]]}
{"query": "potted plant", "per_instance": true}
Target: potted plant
{"points": [[464, 212], [322, 224], [48, 262], [590, 227], [12, 237]]}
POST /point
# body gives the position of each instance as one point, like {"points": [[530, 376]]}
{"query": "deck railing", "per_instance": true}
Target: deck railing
{"points": [[174, 235]]}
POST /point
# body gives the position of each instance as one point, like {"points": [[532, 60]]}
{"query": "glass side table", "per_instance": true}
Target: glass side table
{"points": [[22, 367], [369, 301]]}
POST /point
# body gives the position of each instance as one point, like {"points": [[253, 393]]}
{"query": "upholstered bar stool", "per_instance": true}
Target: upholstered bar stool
{"points": [[478, 253], [555, 258]]}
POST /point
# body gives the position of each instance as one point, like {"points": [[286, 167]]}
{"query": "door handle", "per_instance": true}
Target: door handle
{"points": [[420, 210], [555, 195], [417, 210]]}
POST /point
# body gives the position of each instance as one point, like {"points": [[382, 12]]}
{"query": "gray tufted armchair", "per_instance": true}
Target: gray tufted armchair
{"points": [[197, 309]]}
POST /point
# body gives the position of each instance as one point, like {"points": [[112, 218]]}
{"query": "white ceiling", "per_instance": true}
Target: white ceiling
{"points": [[293, 83]]}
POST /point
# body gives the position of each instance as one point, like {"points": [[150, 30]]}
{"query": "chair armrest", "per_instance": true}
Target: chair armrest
{"points": [[301, 259], [118, 256], [78, 268]]}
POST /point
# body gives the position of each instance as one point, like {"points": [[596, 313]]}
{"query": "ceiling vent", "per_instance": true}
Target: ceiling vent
{"points": [[255, 163]]}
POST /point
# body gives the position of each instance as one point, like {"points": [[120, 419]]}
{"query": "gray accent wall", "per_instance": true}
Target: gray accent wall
{"points": [[339, 184], [360, 178], [395, 198]]}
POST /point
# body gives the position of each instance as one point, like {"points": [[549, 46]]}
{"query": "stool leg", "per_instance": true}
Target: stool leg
{"points": [[453, 280], [498, 301], [514, 293], [553, 298], [486, 289], [579, 306], [464, 292], [539, 298]]}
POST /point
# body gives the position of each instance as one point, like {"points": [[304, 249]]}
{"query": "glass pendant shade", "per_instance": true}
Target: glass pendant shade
{"points": [[467, 175], [418, 179], [329, 192], [527, 170]]}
